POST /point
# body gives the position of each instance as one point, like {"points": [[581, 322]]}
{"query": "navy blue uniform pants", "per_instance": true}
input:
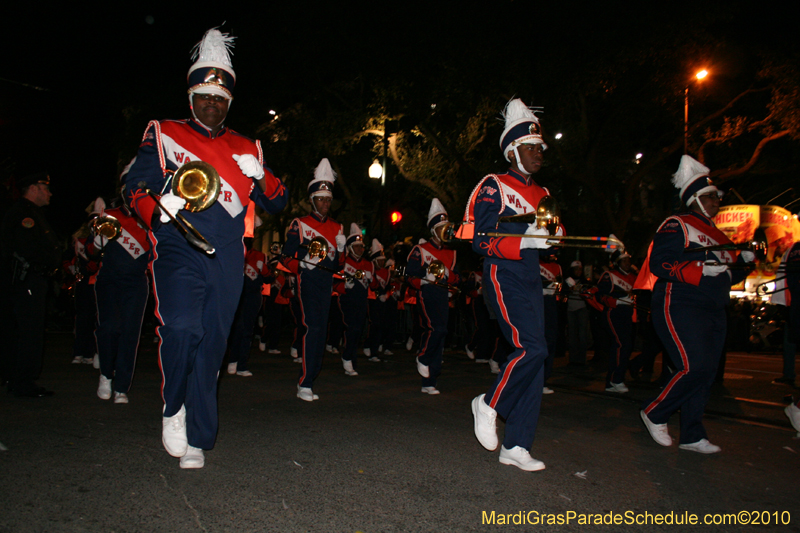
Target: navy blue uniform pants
{"points": [[354, 315], [619, 325], [433, 310], [693, 335], [84, 344], [516, 298], [121, 301], [196, 300], [314, 295], [244, 324]]}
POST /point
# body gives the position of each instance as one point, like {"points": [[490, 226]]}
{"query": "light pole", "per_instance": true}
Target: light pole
{"points": [[699, 76]]}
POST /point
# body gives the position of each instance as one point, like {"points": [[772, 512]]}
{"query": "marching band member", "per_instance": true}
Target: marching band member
{"points": [[314, 284], [433, 299], [121, 292], [353, 297], [256, 271], [513, 287], [614, 291], [196, 294], [688, 306], [380, 303], [550, 272]]}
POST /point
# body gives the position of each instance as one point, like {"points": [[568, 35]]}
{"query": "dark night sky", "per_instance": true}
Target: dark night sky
{"points": [[92, 64]]}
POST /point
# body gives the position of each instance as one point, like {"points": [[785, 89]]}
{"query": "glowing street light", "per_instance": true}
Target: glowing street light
{"points": [[558, 136], [375, 170], [699, 75]]}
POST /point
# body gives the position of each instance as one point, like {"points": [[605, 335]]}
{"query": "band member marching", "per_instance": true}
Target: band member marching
{"points": [[433, 295], [381, 304], [354, 289], [197, 293], [513, 287], [688, 306], [314, 284], [614, 290]]}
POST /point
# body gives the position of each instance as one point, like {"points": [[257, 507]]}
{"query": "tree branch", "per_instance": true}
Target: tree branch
{"points": [[724, 175]]}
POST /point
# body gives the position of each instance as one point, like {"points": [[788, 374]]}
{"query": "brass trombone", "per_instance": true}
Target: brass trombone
{"points": [[320, 249], [436, 268], [199, 184], [106, 226], [546, 216]]}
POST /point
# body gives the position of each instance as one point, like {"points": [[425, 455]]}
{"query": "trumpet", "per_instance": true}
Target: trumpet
{"points": [[106, 226], [199, 184], [436, 268]]}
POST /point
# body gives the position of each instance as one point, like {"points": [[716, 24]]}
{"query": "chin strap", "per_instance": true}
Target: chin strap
{"points": [[700, 205], [520, 166]]}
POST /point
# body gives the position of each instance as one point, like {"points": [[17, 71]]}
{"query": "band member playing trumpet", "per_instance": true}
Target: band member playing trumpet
{"points": [[197, 294], [513, 288], [688, 306], [614, 292], [431, 267], [354, 290], [314, 240], [121, 292]]}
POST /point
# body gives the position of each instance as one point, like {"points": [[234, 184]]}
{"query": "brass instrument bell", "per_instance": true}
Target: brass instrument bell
{"points": [[318, 247], [106, 226], [436, 268], [198, 183]]}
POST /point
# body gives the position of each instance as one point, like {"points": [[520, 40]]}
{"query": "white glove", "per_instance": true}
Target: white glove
{"points": [[341, 240], [540, 244], [100, 241], [396, 295], [748, 256], [625, 301], [171, 203], [249, 166], [310, 263], [349, 283], [382, 297], [714, 270], [430, 277]]}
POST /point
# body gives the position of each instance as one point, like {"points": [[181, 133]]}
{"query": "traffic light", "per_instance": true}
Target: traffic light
{"points": [[396, 217]]}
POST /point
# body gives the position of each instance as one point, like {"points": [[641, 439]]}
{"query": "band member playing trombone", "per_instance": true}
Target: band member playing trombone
{"points": [[431, 268], [314, 240], [513, 287], [688, 306], [196, 293]]}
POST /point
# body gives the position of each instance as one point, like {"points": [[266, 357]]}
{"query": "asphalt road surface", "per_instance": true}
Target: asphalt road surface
{"points": [[374, 454]]}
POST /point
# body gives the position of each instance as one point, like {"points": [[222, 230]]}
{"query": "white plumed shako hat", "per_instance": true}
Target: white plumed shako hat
{"points": [[437, 214], [212, 72], [692, 180], [322, 184], [521, 127]]}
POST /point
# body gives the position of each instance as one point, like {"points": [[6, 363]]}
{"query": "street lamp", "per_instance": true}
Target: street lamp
{"points": [[375, 170], [699, 75]]}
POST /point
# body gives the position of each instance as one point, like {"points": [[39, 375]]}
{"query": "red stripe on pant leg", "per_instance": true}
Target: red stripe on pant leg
{"points": [[428, 329], [674, 334], [515, 334], [303, 321]]}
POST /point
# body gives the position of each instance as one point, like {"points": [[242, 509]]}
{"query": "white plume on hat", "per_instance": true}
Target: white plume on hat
{"points": [[515, 113], [689, 170], [355, 231], [436, 209], [213, 50], [96, 207], [421, 241], [323, 172], [375, 247]]}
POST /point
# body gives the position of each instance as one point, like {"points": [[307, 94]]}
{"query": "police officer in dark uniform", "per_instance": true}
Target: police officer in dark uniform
{"points": [[31, 252]]}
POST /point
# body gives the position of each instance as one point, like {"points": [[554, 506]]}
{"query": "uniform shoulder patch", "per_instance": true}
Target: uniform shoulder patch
{"points": [[27, 223]]}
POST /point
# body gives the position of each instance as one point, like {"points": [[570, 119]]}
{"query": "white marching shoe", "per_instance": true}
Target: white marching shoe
{"points": [[617, 387], [659, 432], [120, 397], [430, 390], [104, 388], [193, 458], [409, 343], [232, 368], [173, 433], [367, 352], [348, 368], [470, 353], [521, 458], [494, 367], [306, 394], [701, 446], [423, 369], [485, 423]]}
